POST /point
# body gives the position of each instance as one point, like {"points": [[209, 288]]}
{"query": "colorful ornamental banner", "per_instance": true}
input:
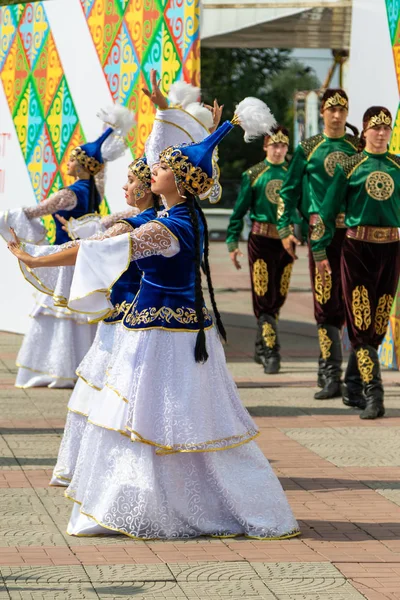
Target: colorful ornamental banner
{"points": [[390, 349], [130, 38]]}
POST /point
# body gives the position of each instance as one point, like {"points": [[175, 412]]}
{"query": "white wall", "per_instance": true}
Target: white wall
{"points": [[90, 92], [372, 76]]}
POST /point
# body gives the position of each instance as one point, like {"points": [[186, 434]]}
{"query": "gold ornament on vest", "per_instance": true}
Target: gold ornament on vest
{"points": [[333, 159], [336, 100], [365, 365], [383, 313], [379, 185], [260, 277], [285, 279], [378, 120], [272, 190], [361, 308], [325, 342], [278, 138], [269, 335], [318, 229], [322, 292]]}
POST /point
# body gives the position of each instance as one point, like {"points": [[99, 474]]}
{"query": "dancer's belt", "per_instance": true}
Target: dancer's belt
{"points": [[265, 229], [376, 235], [339, 220]]}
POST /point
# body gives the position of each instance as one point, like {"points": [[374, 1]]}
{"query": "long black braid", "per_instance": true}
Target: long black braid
{"points": [[94, 196], [220, 325], [200, 352]]}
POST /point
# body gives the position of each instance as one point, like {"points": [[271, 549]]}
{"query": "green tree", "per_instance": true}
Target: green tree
{"points": [[230, 74]]}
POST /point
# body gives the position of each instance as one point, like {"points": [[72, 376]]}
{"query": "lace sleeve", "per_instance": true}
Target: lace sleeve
{"points": [[100, 181], [151, 239], [64, 199], [110, 220]]}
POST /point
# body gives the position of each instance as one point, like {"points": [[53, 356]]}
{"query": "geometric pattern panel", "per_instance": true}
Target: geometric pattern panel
{"points": [[131, 37], [39, 99], [390, 348]]}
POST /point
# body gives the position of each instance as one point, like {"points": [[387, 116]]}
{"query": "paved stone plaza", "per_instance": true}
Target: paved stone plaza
{"points": [[342, 476]]}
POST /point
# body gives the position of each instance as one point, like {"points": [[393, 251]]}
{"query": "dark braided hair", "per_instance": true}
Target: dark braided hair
{"points": [[372, 111], [156, 201], [329, 92], [200, 352], [94, 196]]}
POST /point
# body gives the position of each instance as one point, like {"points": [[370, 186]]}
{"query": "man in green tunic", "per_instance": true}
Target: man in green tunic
{"points": [[367, 187], [270, 265], [308, 179]]}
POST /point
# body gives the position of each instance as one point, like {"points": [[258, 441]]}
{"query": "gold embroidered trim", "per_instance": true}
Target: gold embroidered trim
{"points": [[193, 179], [141, 170], [379, 185], [365, 365], [285, 279], [333, 159], [318, 229], [325, 342], [278, 138], [90, 164], [272, 190], [361, 307], [322, 292], [377, 120], [183, 315], [119, 309], [260, 277], [383, 313], [336, 100], [269, 335]]}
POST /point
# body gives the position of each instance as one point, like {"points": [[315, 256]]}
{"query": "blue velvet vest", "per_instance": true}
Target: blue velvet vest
{"points": [[81, 189], [127, 286], [166, 298]]}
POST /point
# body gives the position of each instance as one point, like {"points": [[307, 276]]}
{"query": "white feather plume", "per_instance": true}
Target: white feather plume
{"points": [[182, 94], [201, 113], [118, 117], [255, 118], [121, 120]]}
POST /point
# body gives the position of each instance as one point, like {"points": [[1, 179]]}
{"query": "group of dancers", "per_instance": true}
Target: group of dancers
{"points": [[347, 188], [157, 443]]}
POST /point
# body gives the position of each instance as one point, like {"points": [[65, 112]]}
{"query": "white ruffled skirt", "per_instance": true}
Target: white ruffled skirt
{"points": [[166, 448], [53, 347]]}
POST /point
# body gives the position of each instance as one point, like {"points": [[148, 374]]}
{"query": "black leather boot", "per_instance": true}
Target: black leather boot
{"points": [[259, 346], [321, 372], [331, 351], [370, 370], [269, 332], [352, 388]]}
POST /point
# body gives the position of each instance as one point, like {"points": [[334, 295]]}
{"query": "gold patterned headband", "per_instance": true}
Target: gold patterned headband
{"points": [[90, 164], [377, 120], [336, 100], [141, 170], [278, 138]]}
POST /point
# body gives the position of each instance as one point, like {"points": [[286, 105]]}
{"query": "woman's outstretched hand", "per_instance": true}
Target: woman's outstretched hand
{"points": [[15, 247], [63, 222], [216, 110], [155, 95]]}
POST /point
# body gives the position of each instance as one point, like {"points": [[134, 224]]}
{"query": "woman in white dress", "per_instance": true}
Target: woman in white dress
{"points": [[58, 339], [168, 448]]}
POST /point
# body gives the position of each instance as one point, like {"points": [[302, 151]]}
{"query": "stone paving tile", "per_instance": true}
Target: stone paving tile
{"points": [[213, 571], [140, 591], [227, 589], [46, 575], [121, 573], [40, 591], [281, 570]]}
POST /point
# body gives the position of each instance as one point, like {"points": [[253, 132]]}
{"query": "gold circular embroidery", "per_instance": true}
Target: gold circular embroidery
{"points": [[269, 335], [325, 342], [379, 185], [285, 279], [361, 308], [318, 229], [333, 159], [260, 277], [272, 190]]}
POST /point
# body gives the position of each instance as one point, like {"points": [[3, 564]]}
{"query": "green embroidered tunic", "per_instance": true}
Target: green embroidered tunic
{"points": [[310, 174], [259, 194], [367, 186]]}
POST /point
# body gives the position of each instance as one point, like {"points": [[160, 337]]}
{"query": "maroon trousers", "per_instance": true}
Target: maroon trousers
{"points": [[370, 274], [270, 271], [328, 299]]}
